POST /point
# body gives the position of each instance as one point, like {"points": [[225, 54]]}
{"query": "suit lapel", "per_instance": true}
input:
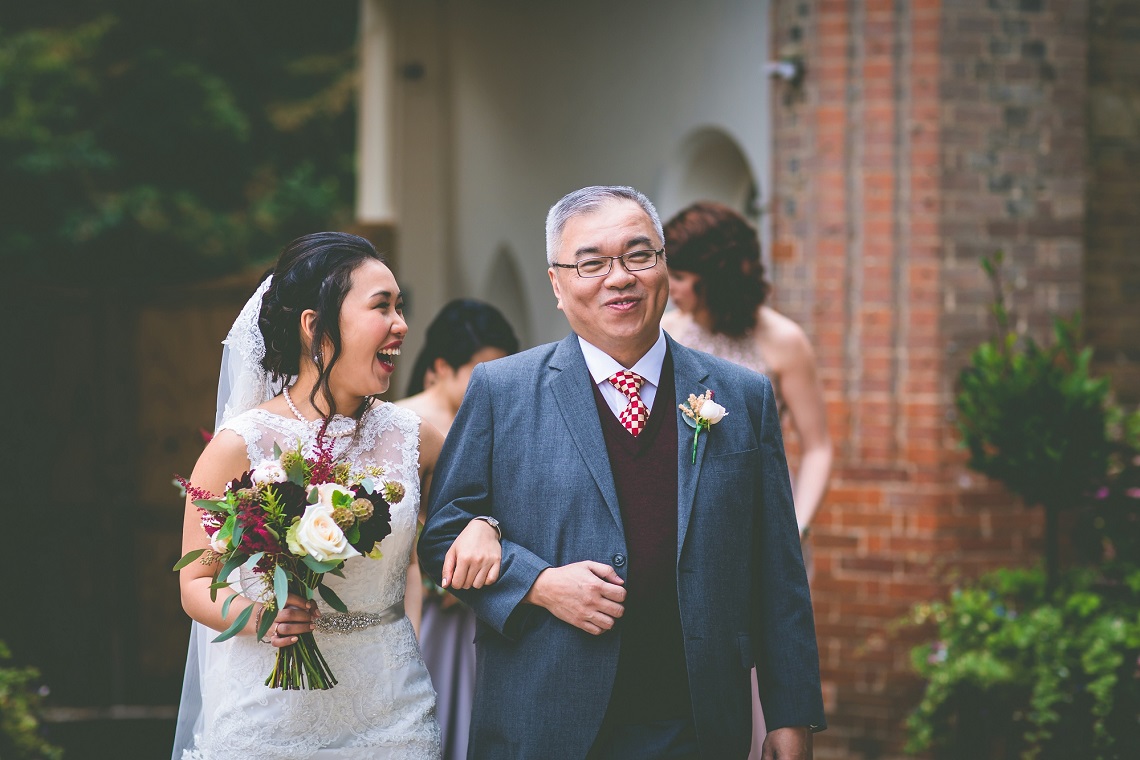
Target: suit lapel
{"points": [[574, 394], [689, 375]]}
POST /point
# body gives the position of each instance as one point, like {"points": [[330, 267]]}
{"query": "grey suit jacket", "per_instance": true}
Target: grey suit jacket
{"points": [[527, 449]]}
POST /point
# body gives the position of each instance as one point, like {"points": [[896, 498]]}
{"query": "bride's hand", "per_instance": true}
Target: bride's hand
{"points": [[296, 618], [473, 559]]}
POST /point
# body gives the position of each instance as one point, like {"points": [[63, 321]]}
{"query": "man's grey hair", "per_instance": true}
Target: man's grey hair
{"points": [[587, 200]]}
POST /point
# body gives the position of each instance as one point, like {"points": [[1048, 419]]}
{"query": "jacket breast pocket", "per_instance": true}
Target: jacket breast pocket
{"points": [[734, 460]]}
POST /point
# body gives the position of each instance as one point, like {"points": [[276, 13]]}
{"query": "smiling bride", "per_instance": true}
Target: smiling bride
{"points": [[303, 365]]}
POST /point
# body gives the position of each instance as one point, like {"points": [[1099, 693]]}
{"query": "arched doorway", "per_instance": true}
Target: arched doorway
{"points": [[710, 165], [504, 290]]}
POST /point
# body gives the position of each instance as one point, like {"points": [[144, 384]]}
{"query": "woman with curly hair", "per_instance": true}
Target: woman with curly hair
{"points": [[716, 282]]}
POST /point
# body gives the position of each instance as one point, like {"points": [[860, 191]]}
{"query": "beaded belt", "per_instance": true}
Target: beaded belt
{"points": [[347, 622]]}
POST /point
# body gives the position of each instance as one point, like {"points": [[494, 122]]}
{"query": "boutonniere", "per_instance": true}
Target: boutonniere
{"points": [[701, 413]]}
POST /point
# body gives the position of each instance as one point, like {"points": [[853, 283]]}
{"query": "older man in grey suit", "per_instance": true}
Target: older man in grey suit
{"points": [[646, 565]]}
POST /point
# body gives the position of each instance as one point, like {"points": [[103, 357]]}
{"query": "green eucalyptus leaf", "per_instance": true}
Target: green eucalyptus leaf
{"points": [[319, 567], [211, 505], [280, 586], [296, 472], [238, 624], [331, 599], [188, 557], [266, 621], [236, 560], [226, 605]]}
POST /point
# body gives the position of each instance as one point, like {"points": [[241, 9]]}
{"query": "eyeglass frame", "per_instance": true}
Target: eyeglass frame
{"points": [[656, 254]]}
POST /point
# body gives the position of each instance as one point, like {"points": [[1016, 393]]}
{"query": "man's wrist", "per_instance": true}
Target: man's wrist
{"points": [[534, 594], [492, 522]]}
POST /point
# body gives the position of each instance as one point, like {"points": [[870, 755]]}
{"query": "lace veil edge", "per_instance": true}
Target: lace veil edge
{"points": [[242, 384]]}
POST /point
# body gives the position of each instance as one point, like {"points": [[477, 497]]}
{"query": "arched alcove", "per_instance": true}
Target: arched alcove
{"points": [[709, 165], [503, 289]]}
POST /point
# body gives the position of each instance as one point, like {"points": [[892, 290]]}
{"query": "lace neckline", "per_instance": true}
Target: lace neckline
{"points": [[342, 430]]}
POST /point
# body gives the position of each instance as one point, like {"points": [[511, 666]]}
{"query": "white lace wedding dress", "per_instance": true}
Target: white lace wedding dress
{"points": [[383, 706]]}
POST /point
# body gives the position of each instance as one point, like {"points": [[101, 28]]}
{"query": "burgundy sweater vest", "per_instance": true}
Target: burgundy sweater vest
{"points": [[651, 682]]}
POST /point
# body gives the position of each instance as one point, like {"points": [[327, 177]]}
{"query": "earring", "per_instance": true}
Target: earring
{"points": [[317, 358]]}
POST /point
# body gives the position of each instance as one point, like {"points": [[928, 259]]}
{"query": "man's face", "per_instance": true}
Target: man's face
{"points": [[619, 313]]}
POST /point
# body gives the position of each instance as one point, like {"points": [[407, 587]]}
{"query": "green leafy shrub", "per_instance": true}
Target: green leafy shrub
{"points": [[1028, 663], [1017, 672], [19, 701], [1033, 417]]}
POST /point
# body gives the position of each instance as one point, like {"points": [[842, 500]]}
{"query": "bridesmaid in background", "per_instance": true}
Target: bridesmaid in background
{"points": [[463, 334], [716, 282]]}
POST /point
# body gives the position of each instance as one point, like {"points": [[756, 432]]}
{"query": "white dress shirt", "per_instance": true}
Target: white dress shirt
{"points": [[602, 367]]}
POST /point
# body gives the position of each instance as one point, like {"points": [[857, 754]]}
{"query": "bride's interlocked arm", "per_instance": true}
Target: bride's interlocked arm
{"points": [[475, 557]]}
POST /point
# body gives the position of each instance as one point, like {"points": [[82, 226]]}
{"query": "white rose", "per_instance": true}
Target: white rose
{"points": [[325, 493], [712, 411], [219, 547], [318, 535], [269, 472]]}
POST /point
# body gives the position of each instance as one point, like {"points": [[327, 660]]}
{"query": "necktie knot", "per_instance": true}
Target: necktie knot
{"points": [[628, 382], [634, 416]]}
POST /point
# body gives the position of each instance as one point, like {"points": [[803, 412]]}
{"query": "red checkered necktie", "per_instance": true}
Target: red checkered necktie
{"points": [[633, 417]]}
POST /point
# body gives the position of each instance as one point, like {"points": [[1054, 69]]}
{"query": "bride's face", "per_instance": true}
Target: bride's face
{"points": [[372, 328]]}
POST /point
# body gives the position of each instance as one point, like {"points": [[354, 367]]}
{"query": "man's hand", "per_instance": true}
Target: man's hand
{"points": [[587, 595], [474, 557], [790, 743]]}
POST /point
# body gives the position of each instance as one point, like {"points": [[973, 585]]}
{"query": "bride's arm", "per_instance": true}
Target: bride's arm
{"points": [[475, 556], [223, 460]]}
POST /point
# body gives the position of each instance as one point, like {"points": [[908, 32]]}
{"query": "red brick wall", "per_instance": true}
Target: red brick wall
{"points": [[1112, 284], [925, 135]]}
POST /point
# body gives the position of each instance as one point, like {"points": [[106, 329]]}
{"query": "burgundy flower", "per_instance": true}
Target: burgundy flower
{"points": [[293, 498], [322, 467], [376, 528]]}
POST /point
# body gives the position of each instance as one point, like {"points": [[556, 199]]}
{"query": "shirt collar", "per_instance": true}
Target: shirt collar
{"points": [[602, 366]]}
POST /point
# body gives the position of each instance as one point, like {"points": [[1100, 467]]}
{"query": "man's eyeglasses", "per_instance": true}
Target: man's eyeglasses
{"points": [[600, 266]]}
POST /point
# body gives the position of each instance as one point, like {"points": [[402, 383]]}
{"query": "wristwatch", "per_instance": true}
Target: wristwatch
{"points": [[492, 522]]}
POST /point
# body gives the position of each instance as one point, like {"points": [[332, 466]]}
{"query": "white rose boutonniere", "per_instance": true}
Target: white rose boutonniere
{"points": [[701, 413]]}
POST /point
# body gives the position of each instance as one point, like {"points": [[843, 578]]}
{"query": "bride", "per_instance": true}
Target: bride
{"points": [[309, 353]]}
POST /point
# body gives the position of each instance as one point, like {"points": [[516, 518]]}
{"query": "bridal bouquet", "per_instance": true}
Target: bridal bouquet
{"points": [[290, 521]]}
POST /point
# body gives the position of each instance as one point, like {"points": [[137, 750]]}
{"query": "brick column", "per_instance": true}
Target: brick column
{"points": [[925, 134]]}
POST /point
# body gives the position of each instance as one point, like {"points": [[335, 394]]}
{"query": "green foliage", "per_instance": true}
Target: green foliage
{"points": [[19, 702], [1016, 672], [1027, 663], [160, 141], [1034, 418]]}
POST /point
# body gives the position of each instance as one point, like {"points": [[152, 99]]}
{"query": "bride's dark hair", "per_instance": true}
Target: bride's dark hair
{"points": [[314, 272]]}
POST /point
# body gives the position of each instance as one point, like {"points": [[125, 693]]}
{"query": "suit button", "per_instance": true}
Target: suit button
{"points": [[619, 560]]}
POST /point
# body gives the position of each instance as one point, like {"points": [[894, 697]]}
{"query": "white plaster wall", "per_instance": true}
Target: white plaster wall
{"points": [[544, 97]]}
